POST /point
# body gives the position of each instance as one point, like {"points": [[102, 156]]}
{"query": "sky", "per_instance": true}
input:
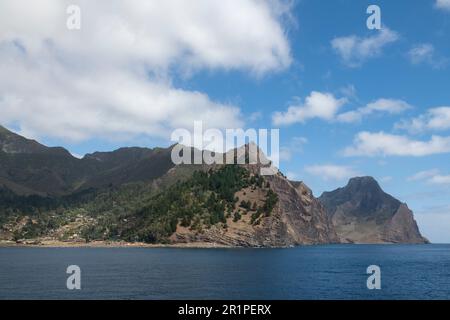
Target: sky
{"points": [[348, 100]]}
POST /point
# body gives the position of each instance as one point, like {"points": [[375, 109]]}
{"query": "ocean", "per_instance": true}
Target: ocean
{"points": [[306, 272]]}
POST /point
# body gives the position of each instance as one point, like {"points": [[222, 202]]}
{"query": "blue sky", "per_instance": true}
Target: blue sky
{"points": [[321, 54]]}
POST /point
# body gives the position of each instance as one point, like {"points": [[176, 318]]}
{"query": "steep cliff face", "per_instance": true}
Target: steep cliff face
{"points": [[402, 228], [362, 212], [305, 217], [298, 218]]}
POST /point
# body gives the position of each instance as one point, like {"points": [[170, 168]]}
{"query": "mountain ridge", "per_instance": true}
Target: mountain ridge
{"points": [[138, 195], [33, 168]]}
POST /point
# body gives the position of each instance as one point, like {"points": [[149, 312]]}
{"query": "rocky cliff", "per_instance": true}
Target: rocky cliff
{"points": [[362, 212], [297, 218]]}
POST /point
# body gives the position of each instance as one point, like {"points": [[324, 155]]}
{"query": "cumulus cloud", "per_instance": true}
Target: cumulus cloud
{"points": [[383, 144], [114, 77], [325, 106], [354, 50], [390, 106], [443, 4], [434, 119], [432, 176], [331, 172], [316, 105]]}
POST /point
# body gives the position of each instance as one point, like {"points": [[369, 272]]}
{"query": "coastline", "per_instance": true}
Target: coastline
{"points": [[107, 244], [190, 245]]}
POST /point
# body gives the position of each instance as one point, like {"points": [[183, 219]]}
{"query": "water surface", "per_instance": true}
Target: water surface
{"points": [[312, 272]]}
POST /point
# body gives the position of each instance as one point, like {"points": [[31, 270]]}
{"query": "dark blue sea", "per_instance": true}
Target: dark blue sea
{"points": [[310, 272]]}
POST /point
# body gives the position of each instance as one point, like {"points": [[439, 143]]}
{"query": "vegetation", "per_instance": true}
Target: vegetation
{"points": [[139, 212]]}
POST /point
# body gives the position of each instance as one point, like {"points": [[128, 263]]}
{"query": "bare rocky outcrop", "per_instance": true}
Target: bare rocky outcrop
{"points": [[362, 212], [402, 228]]}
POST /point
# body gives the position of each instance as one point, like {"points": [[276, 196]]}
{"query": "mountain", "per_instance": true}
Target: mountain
{"points": [[30, 168], [294, 216], [139, 195], [127, 165], [362, 212], [12, 143]]}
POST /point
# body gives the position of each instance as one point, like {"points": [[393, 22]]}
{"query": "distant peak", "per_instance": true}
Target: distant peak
{"points": [[364, 179], [13, 143], [365, 182]]}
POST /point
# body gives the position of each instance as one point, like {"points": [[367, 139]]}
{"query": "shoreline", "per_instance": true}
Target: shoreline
{"points": [[191, 245], [109, 244]]}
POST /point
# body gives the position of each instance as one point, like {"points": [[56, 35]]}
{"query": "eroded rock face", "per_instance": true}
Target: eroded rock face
{"points": [[305, 218], [362, 212], [402, 228], [298, 218]]}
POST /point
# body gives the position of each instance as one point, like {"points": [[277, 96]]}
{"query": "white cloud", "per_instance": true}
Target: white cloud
{"points": [[114, 76], [432, 176], [383, 144], [298, 142], [421, 175], [255, 116], [443, 4], [325, 106], [291, 175], [425, 53], [354, 50], [421, 53], [317, 105], [391, 106], [331, 172], [285, 154], [112, 105], [434, 119], [295, 145], [440, 179], [349, 92]]}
